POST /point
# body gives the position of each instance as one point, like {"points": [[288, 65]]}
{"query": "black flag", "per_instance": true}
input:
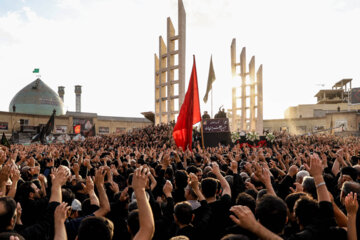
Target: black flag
{"points": [[4, 141], [47, 129], [211, 79]]}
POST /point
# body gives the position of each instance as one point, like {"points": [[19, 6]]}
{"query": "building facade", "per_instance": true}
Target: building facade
{"points": [[32, 106], [333, 113], [20, 122]]}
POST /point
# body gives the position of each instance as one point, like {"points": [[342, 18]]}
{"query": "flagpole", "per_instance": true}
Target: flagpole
{"points": [[202, 134], [212, 103]]}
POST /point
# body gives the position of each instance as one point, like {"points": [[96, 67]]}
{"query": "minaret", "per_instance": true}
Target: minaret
{"points": [[61, 92], [78, 98]]}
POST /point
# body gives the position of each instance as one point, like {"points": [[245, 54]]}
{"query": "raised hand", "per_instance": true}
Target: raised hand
{"points": [[114, 187], [243, 217], [139, 178], [59, 176], [15, 175], [99, 176], [124, 195], [316, 167], [351, 204], [167, 189], [60, 214], [89, 187], [215, 168], [234, 167]]}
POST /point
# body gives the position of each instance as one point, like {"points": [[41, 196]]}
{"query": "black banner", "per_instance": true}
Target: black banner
{"points": [[220, 125], [216, 131]]}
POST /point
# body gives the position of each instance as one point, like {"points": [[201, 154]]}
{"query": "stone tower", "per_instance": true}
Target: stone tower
{"points": [[170, 70]]}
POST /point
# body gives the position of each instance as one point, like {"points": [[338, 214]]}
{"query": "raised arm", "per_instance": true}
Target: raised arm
{"points": [[60, 216], [316, 170], [194, 183], [103, 199], [58, 179], [147, 226], [15, 178], [224, 184], [89, 188], [352, 207], [244, 218], [265, 177]]}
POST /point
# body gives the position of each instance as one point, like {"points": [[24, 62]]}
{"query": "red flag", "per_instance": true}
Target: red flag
{"points": [[189, 114]]}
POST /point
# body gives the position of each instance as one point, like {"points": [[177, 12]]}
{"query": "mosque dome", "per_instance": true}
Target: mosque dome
{"points": [[37, 98]]}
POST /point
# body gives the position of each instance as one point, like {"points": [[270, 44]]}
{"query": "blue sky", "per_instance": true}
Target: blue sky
{"points": [[45, 8], [108, 47]]}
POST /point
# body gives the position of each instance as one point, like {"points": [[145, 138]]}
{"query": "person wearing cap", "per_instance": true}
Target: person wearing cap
{"points": [[75, 208]]}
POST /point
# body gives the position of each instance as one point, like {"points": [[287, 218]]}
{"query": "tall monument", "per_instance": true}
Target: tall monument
{"points": [[249, 115], [170, 70]]}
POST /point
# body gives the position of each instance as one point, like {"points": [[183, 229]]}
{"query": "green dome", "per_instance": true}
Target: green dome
{"points": [[37, 98]]}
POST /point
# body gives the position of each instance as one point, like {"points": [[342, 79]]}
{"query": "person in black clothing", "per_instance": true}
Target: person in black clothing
{"points": [[219, 208], [271, 212], [8, 214], [183, 216]]}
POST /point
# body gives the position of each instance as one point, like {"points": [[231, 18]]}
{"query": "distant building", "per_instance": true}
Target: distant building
{"points": [[333, 110], [32, 106]]}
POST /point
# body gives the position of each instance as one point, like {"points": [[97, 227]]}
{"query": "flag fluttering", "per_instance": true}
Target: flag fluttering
{"points": [[189, 113], [36, 70], [45, 130], [211, 79], [4, 141]]}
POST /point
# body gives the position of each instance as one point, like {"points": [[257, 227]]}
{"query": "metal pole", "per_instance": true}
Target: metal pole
{"points": [[211, 102]]}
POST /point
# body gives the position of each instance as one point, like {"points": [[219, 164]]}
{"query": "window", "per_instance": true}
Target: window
{"points": [[24, 122], [103, 130]]}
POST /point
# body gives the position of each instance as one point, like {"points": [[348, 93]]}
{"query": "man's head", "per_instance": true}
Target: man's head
{"points": [[183, 213], [181, 179], [7, 214], [133, 222], [347, 174], [308, 185], [272, 213], [245, 199], [96, 228], [290, 202], [28, 190], [306, 210], [209, 187], [300, 176], [348, 187]]}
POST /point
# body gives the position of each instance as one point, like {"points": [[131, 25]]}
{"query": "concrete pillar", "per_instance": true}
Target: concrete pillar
{"points": [[252, 94], [78, 98], [182, 50], [157, 90], [233, 57], [165, 67], [243, 88], [259, 118], [234, 117], [61, 92], [253, 122], [170, 69]]}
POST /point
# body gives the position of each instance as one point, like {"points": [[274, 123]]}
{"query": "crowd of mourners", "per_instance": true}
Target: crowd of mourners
{"points": [[141, 186]]}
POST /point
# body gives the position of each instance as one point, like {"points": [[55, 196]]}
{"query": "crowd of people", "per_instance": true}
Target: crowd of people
{"points": [[141, 186]]}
